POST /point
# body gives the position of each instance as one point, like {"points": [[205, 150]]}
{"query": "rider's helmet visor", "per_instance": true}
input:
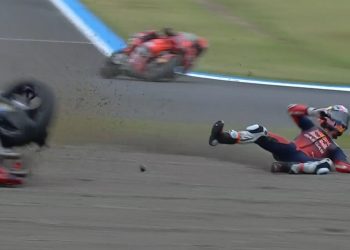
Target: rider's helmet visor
{"points": [[340, 118]]}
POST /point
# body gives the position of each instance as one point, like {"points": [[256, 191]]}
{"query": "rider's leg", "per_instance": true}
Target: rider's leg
{"points": [[293, 160], [281, 149], [251, 134], [144, 55], [323, 166], [314, 166]]}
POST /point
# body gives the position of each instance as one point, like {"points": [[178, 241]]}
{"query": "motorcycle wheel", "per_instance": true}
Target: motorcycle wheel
{"points": [[162, 71], [40, 100]]}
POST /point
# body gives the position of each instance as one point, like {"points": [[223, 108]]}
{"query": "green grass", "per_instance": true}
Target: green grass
{"points": [[168, 137], [153, 135], [289, 40], [81, 129]]}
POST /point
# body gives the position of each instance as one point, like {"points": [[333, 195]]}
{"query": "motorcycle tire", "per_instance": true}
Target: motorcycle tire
{"points": [[26, 126], [162, 71]]}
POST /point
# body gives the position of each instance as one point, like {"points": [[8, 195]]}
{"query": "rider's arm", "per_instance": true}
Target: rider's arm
{"points": [[299, 114], [340, 161]]}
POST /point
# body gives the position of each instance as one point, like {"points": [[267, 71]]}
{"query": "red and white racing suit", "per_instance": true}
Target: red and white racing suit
{"points": [[312, 144]]}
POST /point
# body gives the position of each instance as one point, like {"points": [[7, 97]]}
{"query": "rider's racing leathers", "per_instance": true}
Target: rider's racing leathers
{"points": [[312, 145]]}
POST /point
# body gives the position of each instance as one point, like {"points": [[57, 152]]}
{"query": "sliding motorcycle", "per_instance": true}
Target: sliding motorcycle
{"points": [[26, 112], [151, 61]]}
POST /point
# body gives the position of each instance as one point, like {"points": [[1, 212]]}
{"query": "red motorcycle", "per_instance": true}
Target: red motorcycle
{"points": [[154, 60]]}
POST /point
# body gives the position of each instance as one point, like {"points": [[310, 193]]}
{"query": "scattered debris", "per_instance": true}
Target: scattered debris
{"points": [[142, 168]]}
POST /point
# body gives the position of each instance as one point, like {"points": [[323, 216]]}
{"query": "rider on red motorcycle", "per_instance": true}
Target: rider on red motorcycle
{"points": [[140, 38], [188, 45], [313, 151]]}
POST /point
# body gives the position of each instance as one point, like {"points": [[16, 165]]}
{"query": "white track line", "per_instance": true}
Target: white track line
{"points": [[270, 83], [41, 40]]}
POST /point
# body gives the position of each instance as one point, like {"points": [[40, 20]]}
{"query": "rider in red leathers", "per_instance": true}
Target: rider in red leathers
{"points": [[188, 45], [313, 151], [140, 38]]}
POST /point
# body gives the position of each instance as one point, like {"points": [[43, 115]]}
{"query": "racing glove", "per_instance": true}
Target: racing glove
{"points": [[320, 112], [300, 109]]}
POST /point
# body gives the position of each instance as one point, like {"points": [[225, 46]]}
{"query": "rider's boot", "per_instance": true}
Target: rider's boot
{"points": [[215, 133], [251, 134], [280, 167], [323, 166]]}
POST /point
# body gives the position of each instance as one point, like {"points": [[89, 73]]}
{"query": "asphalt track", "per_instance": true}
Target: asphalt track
{"points": [[92, 195]]}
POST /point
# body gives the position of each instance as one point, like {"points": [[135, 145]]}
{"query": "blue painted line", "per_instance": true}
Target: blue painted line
{"points": [[100, 28]]}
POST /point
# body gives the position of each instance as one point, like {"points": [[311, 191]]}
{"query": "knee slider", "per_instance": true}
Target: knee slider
{"points": [[252, 133], [257, 129]]}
